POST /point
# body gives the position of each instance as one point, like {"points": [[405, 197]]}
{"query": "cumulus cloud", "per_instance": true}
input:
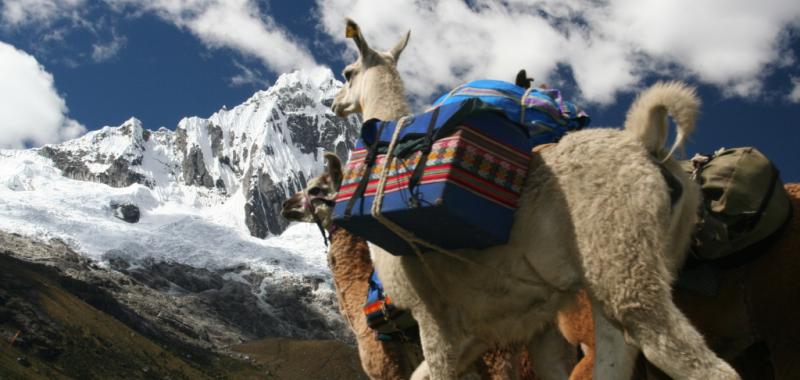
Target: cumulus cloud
{"points": [[794, 96], [234, 24], [102, 52], [247, 76], [37, 12], [609, 46], [31, 110]]}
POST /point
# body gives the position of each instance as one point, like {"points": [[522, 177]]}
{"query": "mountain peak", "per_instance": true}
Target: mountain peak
{"points": [[316, 78], [258, 152], [132, 121]]}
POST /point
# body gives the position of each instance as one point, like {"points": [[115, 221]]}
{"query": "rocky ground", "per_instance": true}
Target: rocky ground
{"points": [[63, 316]]}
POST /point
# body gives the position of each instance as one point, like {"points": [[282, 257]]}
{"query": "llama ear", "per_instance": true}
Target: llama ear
{"points": [[397, 49], [352, 30], [523, 80], [520, 80], [333, 166]]}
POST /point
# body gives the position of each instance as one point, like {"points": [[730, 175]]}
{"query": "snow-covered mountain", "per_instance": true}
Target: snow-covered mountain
{"points": [[253, 155], [207, 196]]}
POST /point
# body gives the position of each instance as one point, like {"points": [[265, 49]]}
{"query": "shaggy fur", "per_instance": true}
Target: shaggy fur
{"points": [[351, 266], [595, 213], [750, 310]]}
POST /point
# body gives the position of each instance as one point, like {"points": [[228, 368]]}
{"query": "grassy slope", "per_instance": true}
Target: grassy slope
{"points": [[61, 336], [73, 330], [305, 359]]}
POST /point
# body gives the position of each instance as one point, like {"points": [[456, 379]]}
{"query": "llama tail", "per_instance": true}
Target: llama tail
{"points": [[647, 117]]}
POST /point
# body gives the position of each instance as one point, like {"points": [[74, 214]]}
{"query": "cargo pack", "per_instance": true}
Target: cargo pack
{"points": [[455, 178]]}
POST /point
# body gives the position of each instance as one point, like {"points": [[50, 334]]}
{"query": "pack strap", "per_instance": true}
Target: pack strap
{"points": [[372, 156], [416, 176], [308, 204], [522, 104], [756, 218]]}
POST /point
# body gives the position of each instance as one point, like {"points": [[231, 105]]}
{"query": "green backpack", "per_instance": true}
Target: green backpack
{"points": [[744, 201]]}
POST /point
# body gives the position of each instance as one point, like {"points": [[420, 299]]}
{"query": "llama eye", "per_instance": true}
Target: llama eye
{"points": [[347, 74]]}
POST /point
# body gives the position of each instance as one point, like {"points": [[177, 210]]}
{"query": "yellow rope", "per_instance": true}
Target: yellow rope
{"points": [[522, 105]]}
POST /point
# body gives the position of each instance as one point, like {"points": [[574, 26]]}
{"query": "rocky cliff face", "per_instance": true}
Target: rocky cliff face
{"points": [[262, 150]]}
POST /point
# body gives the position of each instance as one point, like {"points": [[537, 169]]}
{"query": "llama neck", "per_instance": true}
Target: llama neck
{"points": [[385, 97], [348, 257]]}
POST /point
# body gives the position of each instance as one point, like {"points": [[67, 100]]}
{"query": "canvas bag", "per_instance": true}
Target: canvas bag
{"points": [[744, 201]]}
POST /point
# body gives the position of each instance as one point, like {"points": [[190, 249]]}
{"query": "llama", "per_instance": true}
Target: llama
{"points": [[351, 266], [750, 309], [596, 213], [757, 304], [348, 258]]}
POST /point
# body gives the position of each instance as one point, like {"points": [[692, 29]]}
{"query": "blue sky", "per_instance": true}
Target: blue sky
{"points": [[165, 59]]}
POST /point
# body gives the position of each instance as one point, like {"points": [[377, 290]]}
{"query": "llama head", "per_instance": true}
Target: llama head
{"points": [[316, 201], [366, 78]]}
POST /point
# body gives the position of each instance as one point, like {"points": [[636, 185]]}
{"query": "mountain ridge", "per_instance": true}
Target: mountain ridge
{"points": [[266, 148], [207, 254]]}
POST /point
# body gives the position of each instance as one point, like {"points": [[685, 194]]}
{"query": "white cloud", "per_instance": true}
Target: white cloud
{"points": [[247, 76], [102, 52], [31, 110], [234, 24], [794, 96], [37, 12], [610, 46]]}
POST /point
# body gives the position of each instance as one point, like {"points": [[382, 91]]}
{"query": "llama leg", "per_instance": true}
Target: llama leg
{"points": [[583, 370], [423, 372], [469, 361], [442, 348], [576, 324], [613, 358], [551, 354], [638, 297], [674, 346], [456, 362]]}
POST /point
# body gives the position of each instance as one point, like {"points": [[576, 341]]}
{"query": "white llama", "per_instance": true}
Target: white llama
{"points": [[596, 212]]}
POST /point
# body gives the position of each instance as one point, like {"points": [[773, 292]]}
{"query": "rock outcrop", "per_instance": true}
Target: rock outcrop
{"points": [[126, 211]]}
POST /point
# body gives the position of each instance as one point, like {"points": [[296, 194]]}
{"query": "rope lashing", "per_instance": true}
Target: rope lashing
{"points": [[412, 240]]}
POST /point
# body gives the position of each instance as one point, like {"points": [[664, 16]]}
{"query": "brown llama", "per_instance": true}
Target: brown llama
{"points": [[349, 260], [351, 267], [758, 303]]}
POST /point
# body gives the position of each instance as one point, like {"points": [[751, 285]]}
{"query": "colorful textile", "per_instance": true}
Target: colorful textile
{"points": [[382, 315], [467, 158], [473, 173]]}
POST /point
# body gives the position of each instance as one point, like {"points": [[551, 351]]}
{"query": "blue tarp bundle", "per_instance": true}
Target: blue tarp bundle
{"points": [[547, 115]]}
